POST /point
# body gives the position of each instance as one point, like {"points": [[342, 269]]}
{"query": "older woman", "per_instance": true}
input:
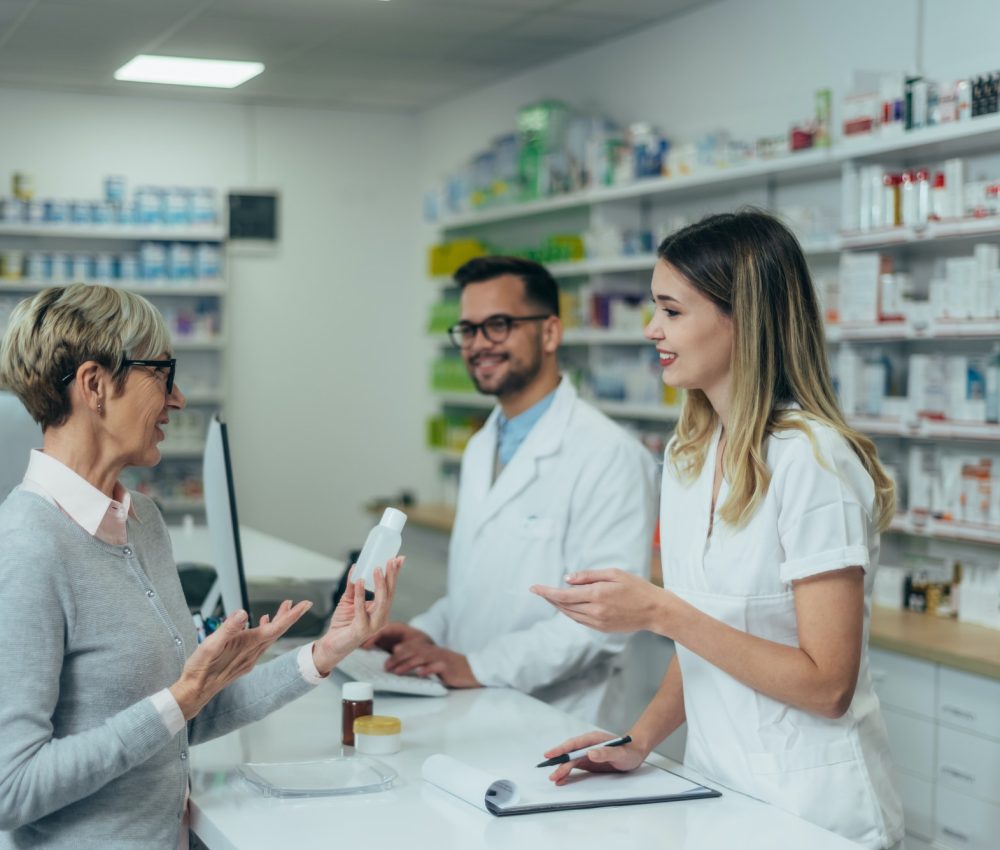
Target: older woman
{"points": [[104, 685]]}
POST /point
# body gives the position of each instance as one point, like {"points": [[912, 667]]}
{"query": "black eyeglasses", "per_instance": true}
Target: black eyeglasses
{"points": [[495, 328], [170, 365]]}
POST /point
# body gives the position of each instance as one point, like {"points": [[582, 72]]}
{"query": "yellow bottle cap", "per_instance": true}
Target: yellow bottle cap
{"points": [[377, 724]]}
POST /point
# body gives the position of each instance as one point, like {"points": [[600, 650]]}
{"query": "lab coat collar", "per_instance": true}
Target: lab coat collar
{"points": [[543, 440]]}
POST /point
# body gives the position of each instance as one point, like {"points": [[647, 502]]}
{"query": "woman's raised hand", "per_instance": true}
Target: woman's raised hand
{"points": [[355, 620], [607, 600], [229, 652]]}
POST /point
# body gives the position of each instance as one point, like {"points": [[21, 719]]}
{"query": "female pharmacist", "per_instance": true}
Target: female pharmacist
{"points": [[104, 686], [771, 510]]}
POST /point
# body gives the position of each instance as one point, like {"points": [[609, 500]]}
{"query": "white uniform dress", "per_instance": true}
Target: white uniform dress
{"points": [[814, 518], [579, 493]]}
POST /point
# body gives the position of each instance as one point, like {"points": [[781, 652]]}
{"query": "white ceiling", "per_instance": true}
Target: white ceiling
{"points": [[402, 54]]}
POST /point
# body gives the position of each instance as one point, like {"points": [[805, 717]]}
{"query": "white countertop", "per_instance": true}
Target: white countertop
{"points": [[264, 556], [493, 728]]}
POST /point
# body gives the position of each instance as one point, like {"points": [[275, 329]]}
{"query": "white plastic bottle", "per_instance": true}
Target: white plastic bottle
{"points": [[383, 543]]}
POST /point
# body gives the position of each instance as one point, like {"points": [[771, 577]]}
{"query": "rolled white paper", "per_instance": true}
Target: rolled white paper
{"points": [[468, 783]]}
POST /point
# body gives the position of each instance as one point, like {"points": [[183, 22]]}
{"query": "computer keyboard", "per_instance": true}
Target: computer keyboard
{"points": [[368, 665]]}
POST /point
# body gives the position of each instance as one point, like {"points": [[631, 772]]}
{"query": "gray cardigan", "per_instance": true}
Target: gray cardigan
{"points": [[89, 632]]}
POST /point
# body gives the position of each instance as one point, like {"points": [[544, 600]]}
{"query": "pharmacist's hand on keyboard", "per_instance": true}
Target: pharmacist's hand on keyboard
{"points": [[393, 634], [354, 620], [427, 659]]}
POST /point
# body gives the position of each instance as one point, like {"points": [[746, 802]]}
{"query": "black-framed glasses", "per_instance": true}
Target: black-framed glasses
{"points": [[495, 328], [170, 365]]}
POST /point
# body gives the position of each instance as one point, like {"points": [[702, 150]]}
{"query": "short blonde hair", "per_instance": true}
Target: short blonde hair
{"points": [[52, 333]]}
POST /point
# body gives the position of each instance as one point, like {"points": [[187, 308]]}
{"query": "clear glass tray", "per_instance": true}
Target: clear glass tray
{"points": [[345, 775]]}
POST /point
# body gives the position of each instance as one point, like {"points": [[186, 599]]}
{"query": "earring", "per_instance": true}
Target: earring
{"points": [[100, 407]]}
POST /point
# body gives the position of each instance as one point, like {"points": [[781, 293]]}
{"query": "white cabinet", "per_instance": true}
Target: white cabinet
{"points": [[911, 740], [904, 683], [942, 726], [969, 764], [918, 804], [969, 702], [964, 823]]}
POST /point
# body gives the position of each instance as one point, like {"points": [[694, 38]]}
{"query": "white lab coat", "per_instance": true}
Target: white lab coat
{"points": [[836, 773], [579, 493]]}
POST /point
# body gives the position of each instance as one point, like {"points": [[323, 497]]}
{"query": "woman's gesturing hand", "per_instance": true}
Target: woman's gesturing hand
{"points": [[228, 653], [355, 620], [599, 760], [606, 600]]}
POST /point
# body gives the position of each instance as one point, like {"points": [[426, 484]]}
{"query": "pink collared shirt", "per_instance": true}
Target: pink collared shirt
{"points": [[106, 518]]}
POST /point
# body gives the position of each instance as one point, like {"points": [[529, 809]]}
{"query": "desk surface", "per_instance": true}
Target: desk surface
{"points": [[264, 557], [493, 728]]}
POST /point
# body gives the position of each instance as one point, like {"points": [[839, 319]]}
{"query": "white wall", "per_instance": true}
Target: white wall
{"points": [[326, 358], [329, 359]]}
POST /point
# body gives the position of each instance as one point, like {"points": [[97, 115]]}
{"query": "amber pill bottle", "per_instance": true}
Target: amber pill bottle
{"points": [[358, 701]]}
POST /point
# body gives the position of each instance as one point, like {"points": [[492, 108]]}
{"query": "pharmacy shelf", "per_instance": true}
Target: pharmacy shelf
{"points": [[959, 138], [213, 288], [949, 230], [160, 233], [603, 265], [898, 331], [926, 429], [804, 165], [626, 410], [618, 409], [947, 140], [817, 246], [604, 336], [924, 526]]}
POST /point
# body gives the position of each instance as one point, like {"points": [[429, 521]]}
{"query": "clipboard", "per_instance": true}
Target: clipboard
{"points": [[530, 791]]}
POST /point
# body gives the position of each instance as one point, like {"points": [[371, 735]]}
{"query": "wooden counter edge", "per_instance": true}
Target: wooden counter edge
{"points": [[425, 515], [963, 646]]}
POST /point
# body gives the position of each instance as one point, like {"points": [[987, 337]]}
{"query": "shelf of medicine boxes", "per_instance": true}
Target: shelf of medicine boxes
{"points": [[138, 232], [645, 262], [618, 409], [926, 429], [213, 288], [946, 140], [947, 329], [946, 230]]}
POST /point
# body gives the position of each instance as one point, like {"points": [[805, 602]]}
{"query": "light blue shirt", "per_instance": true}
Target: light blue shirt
{"points": [[512, 432]]}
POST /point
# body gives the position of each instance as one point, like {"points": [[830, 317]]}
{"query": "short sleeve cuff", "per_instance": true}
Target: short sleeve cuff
{"points": [[168, 709], [824, 562], [307, 667]]}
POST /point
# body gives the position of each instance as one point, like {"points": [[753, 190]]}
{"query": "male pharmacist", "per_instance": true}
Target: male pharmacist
{"points": [[548, 486]]}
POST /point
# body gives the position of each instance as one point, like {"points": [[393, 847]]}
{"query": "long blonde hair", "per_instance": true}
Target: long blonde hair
{"points": [[751, 266]]}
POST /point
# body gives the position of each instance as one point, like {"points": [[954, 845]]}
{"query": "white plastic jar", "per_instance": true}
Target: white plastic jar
{"points": [[377, 734]]}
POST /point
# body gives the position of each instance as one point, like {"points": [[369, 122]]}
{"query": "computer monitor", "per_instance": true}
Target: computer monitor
{"points": [[223, 525], [19, 434]]}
